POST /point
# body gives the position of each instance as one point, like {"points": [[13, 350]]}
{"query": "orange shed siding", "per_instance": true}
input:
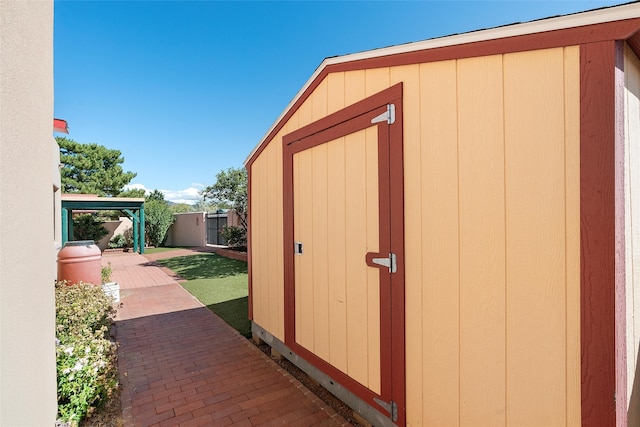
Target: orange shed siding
{"points": [[497, 328], [337, 222], [436, 248], [536, 237], [481, 241], [491, 165], [266, 239], [320, 285], [572, 232]]}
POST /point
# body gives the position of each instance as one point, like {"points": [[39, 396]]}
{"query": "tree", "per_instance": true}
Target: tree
{"points": [[230, 189], [133, 192], [88, 227], [157, 218], [156, 195], [203, 206], [180, 208], [91, 169]]}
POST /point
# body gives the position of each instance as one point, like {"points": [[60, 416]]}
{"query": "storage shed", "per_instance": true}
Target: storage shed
{"points": [[447, 232]]}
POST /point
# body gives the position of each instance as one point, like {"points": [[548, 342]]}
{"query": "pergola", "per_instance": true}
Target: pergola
{"points": [[132, 206]]}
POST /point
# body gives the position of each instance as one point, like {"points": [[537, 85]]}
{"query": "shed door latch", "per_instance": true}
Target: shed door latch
{"points": [[297, 248], [391, 408], [389, 262], [388, 116]]}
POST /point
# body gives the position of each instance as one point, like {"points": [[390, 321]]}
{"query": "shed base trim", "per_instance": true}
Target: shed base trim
{"points": [[354, 402]]}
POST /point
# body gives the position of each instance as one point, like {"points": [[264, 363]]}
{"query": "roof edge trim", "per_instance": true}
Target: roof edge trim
{"points": [[579, 19]]}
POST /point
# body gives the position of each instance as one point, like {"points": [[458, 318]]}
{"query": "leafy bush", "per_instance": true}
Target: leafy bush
{"points": [[118, 241], [88, 227], [235, 236], [85, 357], [157, 220]]}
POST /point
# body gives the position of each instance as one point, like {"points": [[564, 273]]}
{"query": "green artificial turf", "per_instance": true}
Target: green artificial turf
{"points": [[219, 283], [161, 249]]}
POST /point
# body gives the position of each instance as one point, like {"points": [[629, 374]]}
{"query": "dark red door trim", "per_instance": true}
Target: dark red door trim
{"points": [[351, 119], [396, 202]]}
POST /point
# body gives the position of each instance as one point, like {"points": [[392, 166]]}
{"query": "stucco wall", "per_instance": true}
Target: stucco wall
{"points": [[114, 228], [111, 227], [27, 224], [189, 229]]}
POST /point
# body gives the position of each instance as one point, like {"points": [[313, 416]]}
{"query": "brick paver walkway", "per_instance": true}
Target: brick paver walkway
{"points": [[181, 365]]}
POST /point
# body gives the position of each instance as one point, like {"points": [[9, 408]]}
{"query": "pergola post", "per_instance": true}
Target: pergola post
{"points": [[70, 224], [141, 213], [136, 221], [65, 226], [137, 218]]}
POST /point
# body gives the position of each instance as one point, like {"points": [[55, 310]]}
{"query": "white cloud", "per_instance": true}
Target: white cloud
{"points": [[189, 195], [137, 187]]}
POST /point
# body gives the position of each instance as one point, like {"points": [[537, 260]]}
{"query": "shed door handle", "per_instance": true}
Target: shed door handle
{"points": [[376, 260]]}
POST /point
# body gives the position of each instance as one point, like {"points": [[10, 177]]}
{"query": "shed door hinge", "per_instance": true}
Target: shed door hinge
{"points": [[389, 262], [391, 408], [388, 116]]}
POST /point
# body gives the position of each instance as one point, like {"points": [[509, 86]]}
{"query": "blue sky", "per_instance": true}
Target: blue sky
{"points": [[186, 89]]}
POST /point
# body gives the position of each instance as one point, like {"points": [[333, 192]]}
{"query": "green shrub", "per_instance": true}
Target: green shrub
{"points": [[88, 227], [235, 236], [157, 220], [118, 241], [85, 356], [82, 305]]}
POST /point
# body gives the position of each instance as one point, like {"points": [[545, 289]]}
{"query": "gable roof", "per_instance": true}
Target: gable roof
{"points": [[583, 27]]}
